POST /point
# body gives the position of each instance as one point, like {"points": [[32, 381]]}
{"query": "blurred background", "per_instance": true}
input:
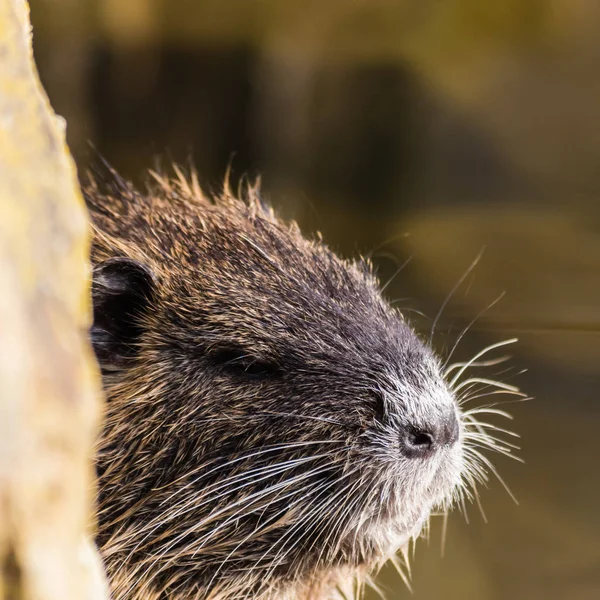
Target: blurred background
{"points": [[406, 128]]}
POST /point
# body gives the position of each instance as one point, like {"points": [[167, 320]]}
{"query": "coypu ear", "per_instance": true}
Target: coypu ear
{"points": [[122, 288]]}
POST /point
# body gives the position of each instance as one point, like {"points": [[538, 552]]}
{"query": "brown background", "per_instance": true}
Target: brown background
{"points": [[413, 128]]}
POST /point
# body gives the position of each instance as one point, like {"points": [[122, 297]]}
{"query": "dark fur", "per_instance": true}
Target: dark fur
{"points": [[229, 344]]}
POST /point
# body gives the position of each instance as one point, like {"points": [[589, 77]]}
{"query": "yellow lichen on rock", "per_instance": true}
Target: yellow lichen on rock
{"points": [[49, 385]]}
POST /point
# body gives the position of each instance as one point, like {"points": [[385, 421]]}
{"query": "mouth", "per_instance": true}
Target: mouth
{"points": [[398, 506]]}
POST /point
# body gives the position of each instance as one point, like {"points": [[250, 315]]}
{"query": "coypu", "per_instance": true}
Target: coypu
{"points": [[274, 428]]}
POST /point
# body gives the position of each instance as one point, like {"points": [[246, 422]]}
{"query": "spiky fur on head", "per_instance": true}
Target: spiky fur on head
{"points": [[251, 445]]}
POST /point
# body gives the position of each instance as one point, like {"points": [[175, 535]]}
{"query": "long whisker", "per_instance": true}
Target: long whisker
{"points": [[256, 531], [469, 325], [492, 469], [275, 448], [484, 363], [478, 356], [259, 496], [243, 504], [444, 532], [314, 517], [453, 291], [268, 472], [463, 399], [491, 382], [484, 442], [224, 490], [485, 425], [307, 417], [489, 411], [396, 273]]}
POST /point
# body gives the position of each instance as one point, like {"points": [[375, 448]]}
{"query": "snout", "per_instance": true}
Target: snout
{"points": [[422, 441]]}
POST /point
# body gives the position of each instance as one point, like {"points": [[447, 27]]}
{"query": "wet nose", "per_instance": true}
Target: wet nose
{"points": [[421, 442]]}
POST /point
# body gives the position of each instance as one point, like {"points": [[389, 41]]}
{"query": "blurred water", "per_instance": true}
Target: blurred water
{"points": [[419, 129]]}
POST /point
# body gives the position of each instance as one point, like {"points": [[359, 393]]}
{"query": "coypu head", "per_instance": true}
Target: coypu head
{"points": [[274, 428]]}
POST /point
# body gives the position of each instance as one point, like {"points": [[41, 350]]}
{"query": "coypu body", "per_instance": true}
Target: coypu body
{"points": [[274, 428]]}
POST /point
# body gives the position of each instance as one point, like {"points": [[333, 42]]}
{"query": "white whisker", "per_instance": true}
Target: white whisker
{"points": [[478, 356]]}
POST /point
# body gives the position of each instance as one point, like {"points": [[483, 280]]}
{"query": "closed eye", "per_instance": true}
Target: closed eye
{"points": [[237, 361]]}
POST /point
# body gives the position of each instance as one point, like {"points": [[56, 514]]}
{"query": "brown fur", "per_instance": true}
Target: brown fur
{"points": [[259, 389]]}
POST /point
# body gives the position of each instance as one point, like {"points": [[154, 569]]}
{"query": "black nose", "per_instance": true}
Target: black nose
{"points": [[421, 442]]}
